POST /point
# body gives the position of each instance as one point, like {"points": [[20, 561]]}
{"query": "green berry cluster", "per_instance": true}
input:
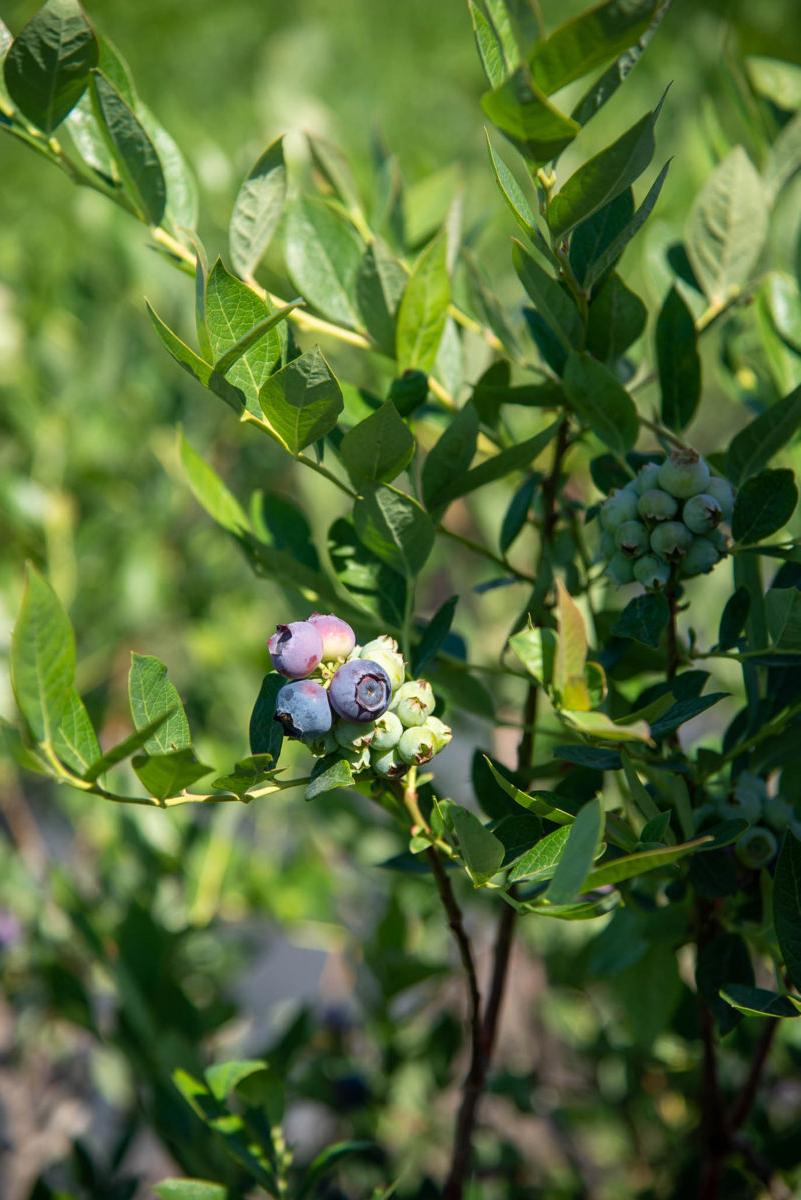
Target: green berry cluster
{"points": [[666, 523], [406, 734], [768, 816]]}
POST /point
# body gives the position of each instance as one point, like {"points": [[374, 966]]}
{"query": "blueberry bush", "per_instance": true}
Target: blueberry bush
{"points": [[627, 607]]}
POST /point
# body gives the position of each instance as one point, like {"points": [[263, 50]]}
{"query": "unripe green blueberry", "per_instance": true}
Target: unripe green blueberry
{"points": [[671, 540], [359, 759], [722, 491], [608, 545], [684, 474], [656, 505], [756, 847], [746, 802], [413, 702], [386, 732], [632, 539], [440, 732], [620, 569], [702, 513], [700, 557], [651, 572], [647, 478], [778, 813], [354, 735], [620, 507], [321, 746], [387, 763], [416, 745], [719, 540], [384, 650]]}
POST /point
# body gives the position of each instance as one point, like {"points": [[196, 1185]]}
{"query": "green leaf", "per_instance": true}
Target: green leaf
{"points": [[197, 367], [734, 617], [395, 528], [137, 161], [333, 166], [327, 1159], [224, 1078], [303, 400], [423, 309], [482, 852], [617, 319], [379, 288], [550, 299], [727, 227], [266, 734], [602, 178], [755, 445], [434, 635], [514, 518], [603, 89], [601, 402], [166, 775], [323, 255], [151, 694], [248, 775], [229, 1126], [594, 236], [233, 310], [126, 747], [589, 40], [540, 861], [678, 361], [489, 47], [644, 619], [542, 804], [47, 68], [630, 865], [329, 774], [182, 202], [190, 1189], [512, 193], [42, 658], [611, 252], [210, 491], [226, 361], [76, 741], [783, 614], [764, 504], [515, 458], [776, 80], [758, 1002], [581, 910], [375, 586], [784, 156], [450, 458], [258, 209], [586, 835], [378, 448], [787, 905], [571, 651], [536, 649], [598, 725], [525, 115]]}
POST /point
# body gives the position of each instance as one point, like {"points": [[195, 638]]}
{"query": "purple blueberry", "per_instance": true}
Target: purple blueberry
{"points": [[360, 690], [338, 637], [302, 708], [296, 649]]}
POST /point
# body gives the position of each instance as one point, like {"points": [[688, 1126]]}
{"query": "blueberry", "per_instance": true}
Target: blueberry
{"points": [[671, 540], [701, 557], [359, 759], [416, 745], [652, 572], [620, 569], [756, 847], [302, 708], [684, 474], [656, 505], [387, 763], [387, 732], [722, 491], [384, 651], [413, 702], [620, 507], [337, 636], [747, 801], [360, 690], [702, 513], [608, 545], [354, 735], [778, 813], [321, 746], [296, 649], [647, 478], [441, 733], [632, 539]]}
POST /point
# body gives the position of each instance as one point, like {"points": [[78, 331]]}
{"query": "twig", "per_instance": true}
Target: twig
{"points": [[745, 1101]]}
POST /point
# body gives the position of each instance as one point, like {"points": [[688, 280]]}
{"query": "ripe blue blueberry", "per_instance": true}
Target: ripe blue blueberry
{"points": [[632, 539], [360, 690], [684, 474], [296, 649], [671, 540], [702, 513], [656, 505], [652, 572], [337, 636], [302, 708]]}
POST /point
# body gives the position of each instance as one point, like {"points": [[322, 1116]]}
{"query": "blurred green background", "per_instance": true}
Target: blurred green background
{"points": [[233, 924]]}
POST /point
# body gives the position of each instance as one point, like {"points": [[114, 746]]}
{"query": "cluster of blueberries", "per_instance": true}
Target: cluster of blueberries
{"points": [[353, 700], [768, 815], [666, 522]]}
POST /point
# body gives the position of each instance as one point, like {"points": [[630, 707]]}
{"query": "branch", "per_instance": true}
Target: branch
{"points": [[745, 1101]]}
